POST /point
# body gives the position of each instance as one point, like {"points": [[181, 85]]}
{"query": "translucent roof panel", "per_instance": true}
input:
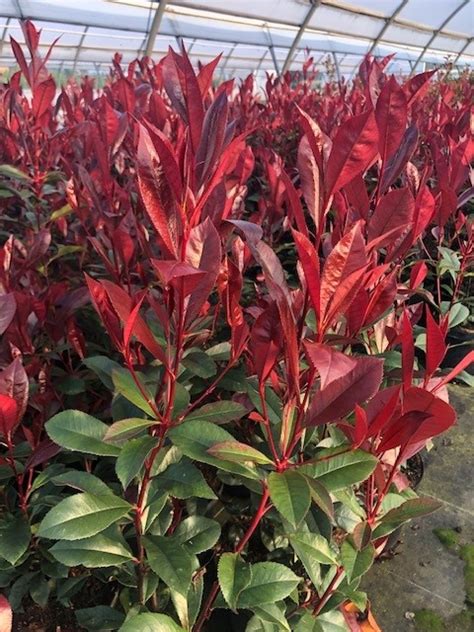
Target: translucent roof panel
{"points": [[252, 35]]}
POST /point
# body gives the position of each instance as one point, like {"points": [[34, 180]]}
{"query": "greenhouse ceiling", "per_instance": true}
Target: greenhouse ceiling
{"points": [[253, 35]]}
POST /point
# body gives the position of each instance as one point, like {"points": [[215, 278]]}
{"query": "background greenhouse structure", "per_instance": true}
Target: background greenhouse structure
{"points": [[256, 36]]}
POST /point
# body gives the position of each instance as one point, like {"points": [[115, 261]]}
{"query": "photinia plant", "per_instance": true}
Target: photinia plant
{"points": [[237, 442]]}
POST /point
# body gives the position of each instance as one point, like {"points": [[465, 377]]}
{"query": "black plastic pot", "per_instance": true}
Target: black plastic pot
{"points": [[461, 342], [414, 470]]}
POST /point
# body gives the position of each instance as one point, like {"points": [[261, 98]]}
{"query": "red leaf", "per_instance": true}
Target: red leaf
{"points": [[424, 417], [183, 277], [310, 179], [8, 415], [14, 382], [354, 148], [6, 615], [345, 382], [43, 96], [418, 274], [168, 160], [7, 311], [203, 252], [266, 343], [394, 211], [130, 325], [391, 117], [408, 351], [360, 427], [123, 306], [166, 222], [399, 159], [297, 213], [416, 87], [447, 204], [347, 256], [212, 139], [205, 75], [435, 344], [381, 408], [310, 262], [461, 366]]}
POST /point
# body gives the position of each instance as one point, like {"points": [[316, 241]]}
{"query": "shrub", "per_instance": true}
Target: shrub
{"points": [[238, 439]]}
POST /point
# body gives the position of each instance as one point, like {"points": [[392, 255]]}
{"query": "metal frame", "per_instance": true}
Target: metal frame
{"points": [[438, 31], [388, 22], [79, 48], [155, 25], [289, 58], [461, 52], [173, 5]]}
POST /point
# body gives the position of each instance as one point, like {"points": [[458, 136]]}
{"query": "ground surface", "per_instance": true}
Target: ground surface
{"points": [[427, 586]]}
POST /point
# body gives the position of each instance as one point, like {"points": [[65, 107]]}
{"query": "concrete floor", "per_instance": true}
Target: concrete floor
{"points": [[424, 574]]}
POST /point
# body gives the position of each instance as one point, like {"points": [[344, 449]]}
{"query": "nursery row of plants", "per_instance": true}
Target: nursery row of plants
{"points": [[226, 315]]}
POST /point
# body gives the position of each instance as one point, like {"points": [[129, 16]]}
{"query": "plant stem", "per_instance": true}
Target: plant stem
{"points": [[328, 592], [261, 511]]}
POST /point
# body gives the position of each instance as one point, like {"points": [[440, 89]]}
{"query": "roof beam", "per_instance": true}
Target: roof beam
{"points": [[4, 34], [314, 5], [79, 48], [438, 31], [388, 22], [461, 52], [155, 25]]}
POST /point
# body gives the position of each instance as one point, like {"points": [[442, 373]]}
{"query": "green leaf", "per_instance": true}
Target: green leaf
{"points": [[238, 453], [125, 385], [342, 470], [71, 385], [79, 432], [270, 582], [200, 364], [194, 438], [458, 314], [125, 429], [171, 562], [218, 412], [256, 624], [99, 618], [321, 497], [289, 492], [95, 552], [328, 622], [355, 562], [183, 480], [273, 613], [15, 538], [132, 458], [312, 546], [197, 533], [9, 171], [413, 508], [102, 366], [82, 516], [187, 606], [82, 481], [234, 576], [150, 622], [61, 212]]}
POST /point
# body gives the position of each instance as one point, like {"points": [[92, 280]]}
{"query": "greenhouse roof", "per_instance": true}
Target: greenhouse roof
{"points": [[253, 35]]}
